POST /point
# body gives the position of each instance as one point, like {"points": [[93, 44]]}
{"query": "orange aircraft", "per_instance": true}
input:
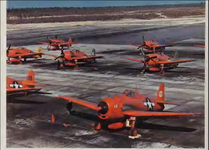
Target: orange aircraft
{"points": [[151, 46], [17, 54], [121, 111], [159, 61], [202, 46], [57, 44], [22, 88], [70, 58]]}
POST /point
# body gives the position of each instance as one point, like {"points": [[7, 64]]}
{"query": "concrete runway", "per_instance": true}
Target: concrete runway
{"points": [[28, 125]]}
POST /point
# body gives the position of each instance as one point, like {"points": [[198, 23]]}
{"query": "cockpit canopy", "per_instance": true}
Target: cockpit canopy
{"points": [[130, 93]]}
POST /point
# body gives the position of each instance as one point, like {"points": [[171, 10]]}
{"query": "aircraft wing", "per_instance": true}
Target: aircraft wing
{"points": [[32, 54], [132, 59], [88, 57], [176, 61], [163, 46], [44, 43], [81, 102], [170, 103], [22, 90], [203, 46], [152, 114]]}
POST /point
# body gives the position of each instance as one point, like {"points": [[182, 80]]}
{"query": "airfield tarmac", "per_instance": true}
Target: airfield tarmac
{"points": [[28, 125]]}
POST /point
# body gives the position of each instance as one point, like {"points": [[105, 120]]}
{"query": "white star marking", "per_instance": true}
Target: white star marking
{"points": [[15, 85], [149, 104]]}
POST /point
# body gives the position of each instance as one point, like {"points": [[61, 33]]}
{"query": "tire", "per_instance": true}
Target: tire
{"points": [[133, 132], [95, 125]]}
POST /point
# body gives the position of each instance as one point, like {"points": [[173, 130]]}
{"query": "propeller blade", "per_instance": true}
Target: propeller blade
{"points": [[8, 49], [143, 38], [55, 36], [57, 58]]}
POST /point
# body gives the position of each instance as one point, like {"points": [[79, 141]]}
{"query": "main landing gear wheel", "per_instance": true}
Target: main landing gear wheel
{"points": [[97, 126], [133, 133]]}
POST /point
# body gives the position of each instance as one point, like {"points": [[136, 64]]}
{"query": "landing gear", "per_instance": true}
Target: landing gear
{"points": [[162, 69], [60, 64], [133, 133], [97, 126]]}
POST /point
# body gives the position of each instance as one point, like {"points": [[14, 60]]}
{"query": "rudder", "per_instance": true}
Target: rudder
{"points": [[30, 79], [161, 93]]}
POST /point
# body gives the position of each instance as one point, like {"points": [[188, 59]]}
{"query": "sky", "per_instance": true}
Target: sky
{"points": [[85, 3]]}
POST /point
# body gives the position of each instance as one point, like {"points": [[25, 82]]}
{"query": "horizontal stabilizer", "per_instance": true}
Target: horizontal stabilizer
{"points": [[170, 103]]}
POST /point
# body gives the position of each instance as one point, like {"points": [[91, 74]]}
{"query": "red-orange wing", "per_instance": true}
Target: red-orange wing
{"points": [[203, 46], [176, 61], [22, 90], [170, 103], [88, 57], [168, 45], [132, 59], [151, 114], [32, 54], [81, 102]]}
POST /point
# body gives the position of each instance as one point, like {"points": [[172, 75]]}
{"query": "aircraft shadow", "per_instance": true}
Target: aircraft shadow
{"points": [[142, 125], [152, 126], [19, 101]]}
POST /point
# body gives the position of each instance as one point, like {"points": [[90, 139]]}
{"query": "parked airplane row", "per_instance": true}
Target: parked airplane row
{"points": [[152, 52]]}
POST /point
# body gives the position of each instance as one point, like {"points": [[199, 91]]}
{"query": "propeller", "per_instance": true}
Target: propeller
{"points": [[8, 49], [147, 58], [55, 36], [144, 43], [62, 56]]}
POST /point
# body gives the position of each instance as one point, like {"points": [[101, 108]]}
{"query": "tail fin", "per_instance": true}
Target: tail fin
{"points": [[30, 79], [161, 93], [70, 40], [39, 50]]}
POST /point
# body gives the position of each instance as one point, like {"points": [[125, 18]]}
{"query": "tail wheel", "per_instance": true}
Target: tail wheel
{"points": [[133, 132]]}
